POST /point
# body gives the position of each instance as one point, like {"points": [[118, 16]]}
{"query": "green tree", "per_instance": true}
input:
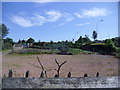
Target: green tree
{"points": [[23, 41], [80, 40], [110, 47], [87, 40], [8, 40], [3, 30], [51, 42], [30, 40], [94, 35]]}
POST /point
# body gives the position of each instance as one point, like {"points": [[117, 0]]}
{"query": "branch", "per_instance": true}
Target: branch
{"points": [[40, 63], [63, 63], [57, 62]]}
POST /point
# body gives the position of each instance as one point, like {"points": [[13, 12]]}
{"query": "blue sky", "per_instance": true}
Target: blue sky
{"points": [[58, 21]]}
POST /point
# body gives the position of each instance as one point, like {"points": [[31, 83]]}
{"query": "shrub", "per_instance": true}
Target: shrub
{"points": [[75, 51], [7, 46], [79, 51], [97, 44], [118, 50], [109, 46]]}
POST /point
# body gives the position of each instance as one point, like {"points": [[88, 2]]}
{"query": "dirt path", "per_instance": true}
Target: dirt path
{"points": [[78, 65]]}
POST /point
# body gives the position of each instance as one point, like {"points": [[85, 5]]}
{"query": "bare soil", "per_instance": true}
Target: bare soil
{"points": [[78, 65]]}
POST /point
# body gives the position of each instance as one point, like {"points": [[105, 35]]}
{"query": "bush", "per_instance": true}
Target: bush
{"points": [[75, 51], [35, 51], [109, 46], [7, 46], [118, 50], [97, 44], [79, 51]]}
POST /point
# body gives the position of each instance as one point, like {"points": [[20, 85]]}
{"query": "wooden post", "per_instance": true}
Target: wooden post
{"points": [[42, 74], [69, 74], [27, 74], [97, 74], [56, 75], [10, 73], [85, 75]]}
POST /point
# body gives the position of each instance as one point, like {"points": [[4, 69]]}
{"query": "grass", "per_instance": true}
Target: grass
{"points": [[79, 51], [35, 51], [71, 51], [97, 44], [3, 50]]}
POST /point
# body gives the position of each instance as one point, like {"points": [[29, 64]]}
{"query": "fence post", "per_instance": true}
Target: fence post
{"points": [[69, 74], [85, 75], [56, 75], [97, 74], [42, 75], [10, 73], [27, 74]]}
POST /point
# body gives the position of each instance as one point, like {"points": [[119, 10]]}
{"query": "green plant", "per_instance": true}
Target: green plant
{"points": [[118, 49], [109, 46], [75, 51], [79, 51], [7, 46], [97, 44]]}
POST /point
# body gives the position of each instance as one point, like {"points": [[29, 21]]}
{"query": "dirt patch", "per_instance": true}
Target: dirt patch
{"points": [[78, 65]]}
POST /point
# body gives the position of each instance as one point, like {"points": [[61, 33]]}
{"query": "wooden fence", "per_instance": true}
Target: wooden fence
{"points": [[43, 74]]}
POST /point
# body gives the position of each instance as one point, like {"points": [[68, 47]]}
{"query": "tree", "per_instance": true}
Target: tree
{"points": [[30, 40], [94, 35], [43, 69], [87, 40], [3, 30], [8, 40], [51, 42], [116, 41], [59, 67], [23, 41], [80, 40], [110, 47]]}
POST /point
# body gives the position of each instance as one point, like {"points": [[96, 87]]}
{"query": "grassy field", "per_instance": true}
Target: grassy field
{"points": [[78, 65]]}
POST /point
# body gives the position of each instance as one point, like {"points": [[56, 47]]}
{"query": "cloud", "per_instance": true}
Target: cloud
{"points": [[94, 12], [21, 21], [53, 16], [68, 17], [37, 20], [82, 24], [78, 15]]}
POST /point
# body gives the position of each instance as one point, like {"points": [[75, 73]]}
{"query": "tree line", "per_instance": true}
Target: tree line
{"points": [[7, 43]]}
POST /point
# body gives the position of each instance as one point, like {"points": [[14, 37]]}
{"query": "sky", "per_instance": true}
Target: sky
{"points": [[58, 21]]}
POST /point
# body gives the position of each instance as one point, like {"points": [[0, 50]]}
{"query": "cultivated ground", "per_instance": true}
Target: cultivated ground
{"points": [[78, 65]]}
